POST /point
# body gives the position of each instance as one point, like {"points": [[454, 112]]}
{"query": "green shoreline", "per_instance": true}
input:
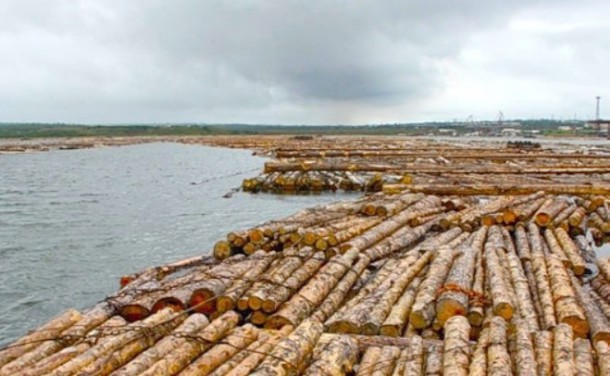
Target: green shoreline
{"points": [[45, 130]]}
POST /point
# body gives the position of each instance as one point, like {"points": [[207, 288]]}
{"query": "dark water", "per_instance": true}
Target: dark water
{"points": [[72, 222]]}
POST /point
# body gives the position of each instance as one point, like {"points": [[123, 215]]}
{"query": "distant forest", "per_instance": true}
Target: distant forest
{"points": [[36, 130]]}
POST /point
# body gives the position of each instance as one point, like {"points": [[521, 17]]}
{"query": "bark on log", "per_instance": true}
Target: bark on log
{"points": [[563, 350], [498, 359], [192, 325], [423, 311], [571, 251], [248, 364], [337, 358], [502, 303], [415, 361], [289, 354], [583, 357], [235, 342], [176, 360], [121, 356], [50, 362], [566, 306], [398, 318], [456, 353], [368, 362], [102, 350], [48, 331], [478, 364], [543, 342], [524, 358], [301, 305], [542, 279], [228, 300], [454, 301]]}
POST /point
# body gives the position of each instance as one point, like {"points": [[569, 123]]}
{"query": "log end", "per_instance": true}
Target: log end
{"points": [[134, 312], [203, 301], [169, 302]]}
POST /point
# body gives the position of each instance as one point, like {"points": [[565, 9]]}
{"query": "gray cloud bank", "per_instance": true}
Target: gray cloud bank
{"points": [[253, 61]]}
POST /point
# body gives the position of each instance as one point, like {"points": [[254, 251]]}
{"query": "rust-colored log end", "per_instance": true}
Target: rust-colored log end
{"points": [[134, 312], [203, 301], [169, 302], [277, 322]]}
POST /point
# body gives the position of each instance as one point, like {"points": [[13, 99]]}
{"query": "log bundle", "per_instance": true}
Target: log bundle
{"points": [[460, 260], [388, 284], [430, 167]]}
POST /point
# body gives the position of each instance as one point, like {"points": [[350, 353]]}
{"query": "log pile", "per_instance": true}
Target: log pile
{"points": [[387, 284], [431, 167]]}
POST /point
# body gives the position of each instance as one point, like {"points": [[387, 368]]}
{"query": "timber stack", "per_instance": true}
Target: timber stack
{"points": [[429, 168], [424, 278], [407, 283]]}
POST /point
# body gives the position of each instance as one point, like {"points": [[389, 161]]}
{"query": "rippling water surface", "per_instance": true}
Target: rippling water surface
{"points": [[72, 222]]}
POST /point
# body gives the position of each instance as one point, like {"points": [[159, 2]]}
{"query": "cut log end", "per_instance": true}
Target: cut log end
{"points": [[134, 312]]}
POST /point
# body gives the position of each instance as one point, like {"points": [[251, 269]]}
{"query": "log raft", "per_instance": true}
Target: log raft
{"points": [[424, 281]]}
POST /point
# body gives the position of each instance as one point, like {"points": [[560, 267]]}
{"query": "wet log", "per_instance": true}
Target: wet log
{"points": [[290, 353], [337, 358], [563, 350], [236, 341], [180, 357], [456, 353]]}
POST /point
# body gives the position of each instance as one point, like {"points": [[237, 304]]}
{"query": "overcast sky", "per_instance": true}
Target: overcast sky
{"points": [[302, 62]]}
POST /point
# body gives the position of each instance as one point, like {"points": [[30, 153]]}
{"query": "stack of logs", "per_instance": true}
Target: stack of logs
{"points": [[403, 284], [371, 169]]}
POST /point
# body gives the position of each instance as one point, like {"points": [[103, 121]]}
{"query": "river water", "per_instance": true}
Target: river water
{"points": [[72, 222]]}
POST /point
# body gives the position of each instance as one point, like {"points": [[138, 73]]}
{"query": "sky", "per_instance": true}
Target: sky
{"points": [[302, 62]]}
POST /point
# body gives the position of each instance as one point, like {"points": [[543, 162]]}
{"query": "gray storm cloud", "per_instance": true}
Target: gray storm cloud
{"points": [[246, 61]]}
